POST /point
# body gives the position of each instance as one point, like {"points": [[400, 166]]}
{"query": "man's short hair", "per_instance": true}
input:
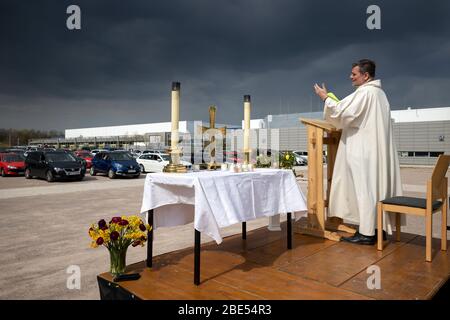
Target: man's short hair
{"points": [[366, 65]]}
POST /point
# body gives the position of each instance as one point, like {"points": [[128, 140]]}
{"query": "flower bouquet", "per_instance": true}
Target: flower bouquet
{"points": [[263, 161], [117, 237], [287, 160]]}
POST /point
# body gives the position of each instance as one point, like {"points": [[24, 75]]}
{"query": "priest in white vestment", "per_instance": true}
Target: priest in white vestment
{"points": [[366, 168]]}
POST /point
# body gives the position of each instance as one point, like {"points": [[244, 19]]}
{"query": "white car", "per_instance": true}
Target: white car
{"points": [[301, 157], [155, 162], [304, 155]]}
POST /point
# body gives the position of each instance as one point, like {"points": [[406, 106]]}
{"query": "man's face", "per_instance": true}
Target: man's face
{"points": [[357, 77]]}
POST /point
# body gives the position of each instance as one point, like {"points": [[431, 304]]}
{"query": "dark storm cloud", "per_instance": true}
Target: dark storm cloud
{"points": [[118, 68]]}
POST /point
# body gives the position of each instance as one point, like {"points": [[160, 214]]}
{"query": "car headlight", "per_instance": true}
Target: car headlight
{"points": [[12, 167], [59, 169]]}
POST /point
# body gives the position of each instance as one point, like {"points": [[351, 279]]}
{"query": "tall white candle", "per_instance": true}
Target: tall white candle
{"points": [[247, 110], [175, 114]]}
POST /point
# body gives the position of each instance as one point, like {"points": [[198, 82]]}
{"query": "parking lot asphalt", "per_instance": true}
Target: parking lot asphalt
{"points": [[44, 231]]}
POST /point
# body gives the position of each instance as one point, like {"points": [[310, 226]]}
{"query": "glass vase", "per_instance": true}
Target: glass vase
{"points": [[118, 261]]}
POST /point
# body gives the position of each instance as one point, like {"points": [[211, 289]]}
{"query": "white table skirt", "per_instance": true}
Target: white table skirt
{"points": [[217, 199]]}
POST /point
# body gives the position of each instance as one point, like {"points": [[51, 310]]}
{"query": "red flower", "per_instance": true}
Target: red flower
{"points": [[114, 235], [116, 220], [123, 222], [136, 243], [102, 224], [142, 227], [100, 241]]}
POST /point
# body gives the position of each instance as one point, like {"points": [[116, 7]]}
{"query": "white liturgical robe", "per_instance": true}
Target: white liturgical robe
{"points": [[366, 168]]}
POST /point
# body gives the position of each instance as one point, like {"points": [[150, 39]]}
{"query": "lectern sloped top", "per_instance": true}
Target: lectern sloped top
{"points": [[323, 124]]}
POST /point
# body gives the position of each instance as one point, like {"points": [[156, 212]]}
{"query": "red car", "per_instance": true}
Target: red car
{"points": [[86, 155], [11, 164], [232, 157]]}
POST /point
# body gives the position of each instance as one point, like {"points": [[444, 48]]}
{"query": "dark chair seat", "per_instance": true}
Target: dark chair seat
{"points": [[411, 202]]}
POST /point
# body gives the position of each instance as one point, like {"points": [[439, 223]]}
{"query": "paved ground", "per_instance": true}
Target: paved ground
{"points": [[44, 227]]}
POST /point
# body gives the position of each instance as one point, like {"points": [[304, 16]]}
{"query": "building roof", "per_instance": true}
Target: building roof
{"points": [[421, 115], [124, 130]]}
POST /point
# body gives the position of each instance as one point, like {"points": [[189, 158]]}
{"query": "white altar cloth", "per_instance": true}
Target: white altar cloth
{"points": [[217, 199]]}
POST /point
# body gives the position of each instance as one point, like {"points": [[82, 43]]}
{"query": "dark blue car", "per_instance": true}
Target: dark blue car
{"points": [[115, 163]]}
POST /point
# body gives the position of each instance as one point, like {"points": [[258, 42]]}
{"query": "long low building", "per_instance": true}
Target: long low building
{"points": [[420, 134]]}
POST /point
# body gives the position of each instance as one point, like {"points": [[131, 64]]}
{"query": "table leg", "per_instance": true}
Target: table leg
{"points": [[197, 258], [289, 230], [150, 239], [244, 230]]}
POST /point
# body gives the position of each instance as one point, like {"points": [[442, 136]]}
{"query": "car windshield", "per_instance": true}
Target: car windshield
{"points": [[60, 157], [14, 158], [165, 157], [121, 156]]}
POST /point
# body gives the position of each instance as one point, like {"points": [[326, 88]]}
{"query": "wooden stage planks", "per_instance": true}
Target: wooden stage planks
{"points": [[262, 268]]}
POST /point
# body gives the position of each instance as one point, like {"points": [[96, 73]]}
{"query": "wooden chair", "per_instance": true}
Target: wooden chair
{"points": [[436, 200]]}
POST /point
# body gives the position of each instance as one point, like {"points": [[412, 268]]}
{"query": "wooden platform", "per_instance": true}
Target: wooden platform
{"points": [[262, 268]]}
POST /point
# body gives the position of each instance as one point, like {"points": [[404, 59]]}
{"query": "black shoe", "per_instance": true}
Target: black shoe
{"points": [[359, 238], [384, 234]]}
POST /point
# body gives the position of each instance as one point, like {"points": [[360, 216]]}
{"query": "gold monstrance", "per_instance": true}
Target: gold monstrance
{"points": [[213, 165]]}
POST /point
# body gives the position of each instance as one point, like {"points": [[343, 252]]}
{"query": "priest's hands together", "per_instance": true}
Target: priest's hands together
{"points": [[321, 91]]}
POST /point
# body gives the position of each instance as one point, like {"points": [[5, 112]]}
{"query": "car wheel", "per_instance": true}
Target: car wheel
{"points": [[92, 172], [49, 176], [111, 174], [28, 174], [142, 168], [3, 172]]}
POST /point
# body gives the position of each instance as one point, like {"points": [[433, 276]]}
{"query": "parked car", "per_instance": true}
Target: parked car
{"points": [[301, 158], [53, 165], [95, 151], [86, 156], [11, 164], [304, 155], [232, 157], [16, 151], [31, 149], [154, 151], [155, 162], [115, 163], [135, 153]]}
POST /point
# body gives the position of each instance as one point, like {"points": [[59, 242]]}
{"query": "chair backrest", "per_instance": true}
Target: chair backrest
{"points": [[438, 176]]}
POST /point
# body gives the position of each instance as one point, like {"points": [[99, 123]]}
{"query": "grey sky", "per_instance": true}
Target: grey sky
{"points": [[119, 67]]}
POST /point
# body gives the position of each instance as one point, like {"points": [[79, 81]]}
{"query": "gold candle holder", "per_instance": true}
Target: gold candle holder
{"points": [[247, 157], [174, 165]]}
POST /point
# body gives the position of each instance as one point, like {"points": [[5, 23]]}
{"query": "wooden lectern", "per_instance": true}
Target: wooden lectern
{"points": [[320, 132]]}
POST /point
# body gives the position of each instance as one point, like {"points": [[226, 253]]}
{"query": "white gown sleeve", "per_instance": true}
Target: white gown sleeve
{"points": [[347, 112]]}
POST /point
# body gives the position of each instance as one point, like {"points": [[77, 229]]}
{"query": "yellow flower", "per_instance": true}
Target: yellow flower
{"points": [[287, 157], [131, 232]]}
